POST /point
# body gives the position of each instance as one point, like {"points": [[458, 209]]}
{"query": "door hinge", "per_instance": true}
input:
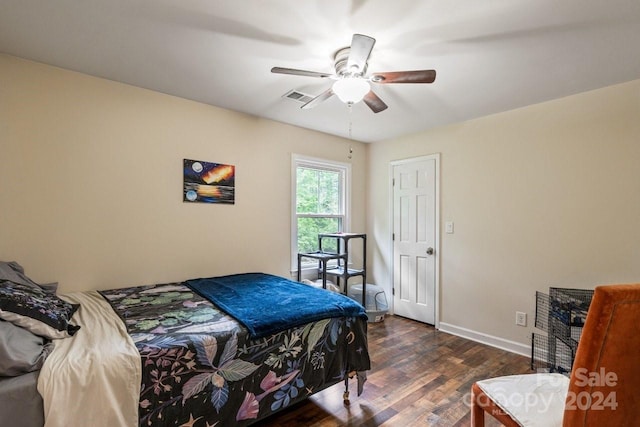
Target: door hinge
{"points": [[393, 182], [393, 291], [393, 237]]}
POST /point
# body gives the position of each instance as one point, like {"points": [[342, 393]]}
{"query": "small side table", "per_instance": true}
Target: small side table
{"points": [[342, 271], [323, 258]]}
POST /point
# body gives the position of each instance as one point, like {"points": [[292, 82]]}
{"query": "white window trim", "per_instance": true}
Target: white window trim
{"points": [[315, 162]]}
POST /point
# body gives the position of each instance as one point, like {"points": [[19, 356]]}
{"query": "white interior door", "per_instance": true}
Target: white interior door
{"points": [[415, 238]]}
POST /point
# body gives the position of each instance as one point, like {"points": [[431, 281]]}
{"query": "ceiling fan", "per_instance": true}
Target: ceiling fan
{"points": [[352, 84]]}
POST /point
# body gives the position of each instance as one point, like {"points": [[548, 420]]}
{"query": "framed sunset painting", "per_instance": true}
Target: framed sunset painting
{"points": [[207, 182]]}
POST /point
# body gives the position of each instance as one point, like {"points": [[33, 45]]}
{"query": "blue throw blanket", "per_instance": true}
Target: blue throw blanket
{"points": [[267, 304]]}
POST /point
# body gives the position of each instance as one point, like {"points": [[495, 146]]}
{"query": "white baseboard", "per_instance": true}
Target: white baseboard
{"points": [[501, 343]]}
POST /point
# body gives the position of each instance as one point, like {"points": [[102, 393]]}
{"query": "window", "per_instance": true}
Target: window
{"points": [[320, 203]]}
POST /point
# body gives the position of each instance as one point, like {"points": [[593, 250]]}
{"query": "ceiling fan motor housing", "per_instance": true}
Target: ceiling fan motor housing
{"points": [[340, 63]]}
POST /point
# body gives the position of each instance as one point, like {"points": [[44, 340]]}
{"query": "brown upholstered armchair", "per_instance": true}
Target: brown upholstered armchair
{"points": [[604, 387]]}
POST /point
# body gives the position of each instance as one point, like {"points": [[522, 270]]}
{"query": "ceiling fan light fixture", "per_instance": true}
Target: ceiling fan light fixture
{"points": [[351, 90]]}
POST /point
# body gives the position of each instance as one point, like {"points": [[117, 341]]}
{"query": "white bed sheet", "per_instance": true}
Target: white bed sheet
{"points": [[94, 377]]}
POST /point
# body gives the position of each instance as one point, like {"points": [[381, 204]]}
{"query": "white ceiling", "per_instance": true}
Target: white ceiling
{"points": [[490, 56]]}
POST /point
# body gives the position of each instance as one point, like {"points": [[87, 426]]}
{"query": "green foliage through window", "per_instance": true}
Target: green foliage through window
{"points": [[318, 191], [319, 205], [308, 230]]}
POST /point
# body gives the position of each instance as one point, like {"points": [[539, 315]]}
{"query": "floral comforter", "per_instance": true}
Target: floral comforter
{"points": [[201, 368]]}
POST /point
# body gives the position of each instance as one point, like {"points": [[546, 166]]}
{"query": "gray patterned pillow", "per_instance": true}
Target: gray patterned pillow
{"points": [[34, 309], [20, 350], [15, 273]]}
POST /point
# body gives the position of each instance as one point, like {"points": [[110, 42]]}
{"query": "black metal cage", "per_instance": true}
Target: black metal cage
{"points": [[561, 314]]}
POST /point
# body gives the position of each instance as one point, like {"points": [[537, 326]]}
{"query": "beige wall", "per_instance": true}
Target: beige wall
{"points": [[547, 195], [91, 182]]}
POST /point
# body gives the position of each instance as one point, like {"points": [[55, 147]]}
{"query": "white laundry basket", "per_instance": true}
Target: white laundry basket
{"points": [[377, 305]]}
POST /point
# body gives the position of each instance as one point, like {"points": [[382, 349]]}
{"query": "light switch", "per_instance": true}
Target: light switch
{"points": [[449, 227]]}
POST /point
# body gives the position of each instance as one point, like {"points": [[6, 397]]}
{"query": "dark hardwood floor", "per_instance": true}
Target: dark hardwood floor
{"points": [[419, 377]]}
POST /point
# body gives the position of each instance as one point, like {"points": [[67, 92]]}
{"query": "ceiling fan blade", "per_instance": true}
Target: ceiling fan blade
{"points": [[318, 99], [374, 102], [361, 47], [294, 72], [418, 76]]}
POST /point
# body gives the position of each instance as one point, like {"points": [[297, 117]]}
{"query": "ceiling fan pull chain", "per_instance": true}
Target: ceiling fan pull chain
{"points": [[350, 107]]}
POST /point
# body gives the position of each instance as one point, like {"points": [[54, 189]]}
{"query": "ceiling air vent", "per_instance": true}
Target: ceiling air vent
{"points": [[294, 95]]}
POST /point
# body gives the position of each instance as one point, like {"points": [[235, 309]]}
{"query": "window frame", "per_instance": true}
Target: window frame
{"points": [[344, 169]]}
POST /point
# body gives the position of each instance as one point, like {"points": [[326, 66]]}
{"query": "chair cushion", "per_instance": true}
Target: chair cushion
{"points": [[533, 400]]}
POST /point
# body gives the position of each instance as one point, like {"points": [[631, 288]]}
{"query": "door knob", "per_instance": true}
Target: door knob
{"points": [[429, 251]]}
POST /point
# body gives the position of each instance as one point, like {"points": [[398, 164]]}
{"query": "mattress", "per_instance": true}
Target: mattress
{"points": [[20, 402]]}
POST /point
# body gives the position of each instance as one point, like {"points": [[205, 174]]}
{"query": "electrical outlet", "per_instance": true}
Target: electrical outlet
{"points": [[521, 318]]}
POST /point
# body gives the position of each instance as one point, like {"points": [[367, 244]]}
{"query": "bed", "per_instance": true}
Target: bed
{"points": [[169, 354]]}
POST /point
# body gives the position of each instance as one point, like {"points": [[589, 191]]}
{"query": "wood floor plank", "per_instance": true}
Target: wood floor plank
{"points": [[419, 377]]}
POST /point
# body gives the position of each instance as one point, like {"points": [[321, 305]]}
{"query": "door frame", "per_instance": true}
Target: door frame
{"points": [[392, 164]]}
